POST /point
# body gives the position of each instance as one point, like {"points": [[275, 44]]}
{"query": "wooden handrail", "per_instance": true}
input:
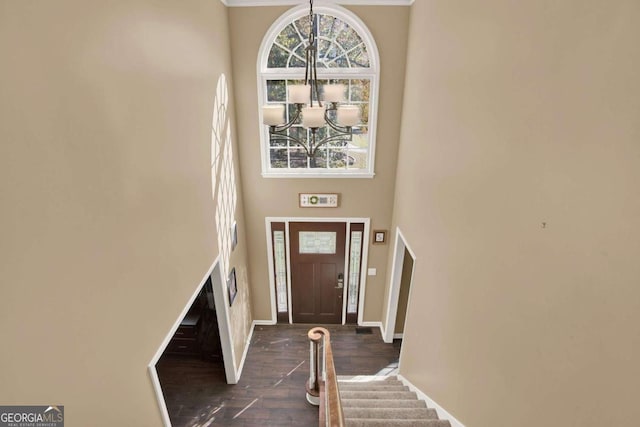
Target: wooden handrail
{"points": [[326, 380]]}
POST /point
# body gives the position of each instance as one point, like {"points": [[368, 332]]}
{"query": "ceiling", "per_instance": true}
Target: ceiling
{"points": [[242, 3]]}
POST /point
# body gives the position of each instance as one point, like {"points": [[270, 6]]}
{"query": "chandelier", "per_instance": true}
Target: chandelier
{"points": [[309, 110]]}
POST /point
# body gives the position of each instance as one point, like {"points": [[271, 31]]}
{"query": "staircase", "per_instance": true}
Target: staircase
{"points": [[384, 402]]}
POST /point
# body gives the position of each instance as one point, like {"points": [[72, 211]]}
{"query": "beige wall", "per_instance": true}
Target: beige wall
{"points": [[278, 197], [107, 220], [518, 114]]}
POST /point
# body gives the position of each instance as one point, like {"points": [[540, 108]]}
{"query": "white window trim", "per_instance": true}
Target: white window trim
{"points": [[373, 74]]}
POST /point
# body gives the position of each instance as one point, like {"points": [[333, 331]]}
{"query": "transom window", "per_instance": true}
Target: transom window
{"points": [[346, 55]]}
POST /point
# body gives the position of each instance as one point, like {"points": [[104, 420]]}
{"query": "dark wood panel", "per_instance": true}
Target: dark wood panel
{"points": [[303, 297], [316, 287], [328, 302]]}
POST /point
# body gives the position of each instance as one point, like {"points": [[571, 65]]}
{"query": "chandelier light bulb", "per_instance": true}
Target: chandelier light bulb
{"points": [[348, 115], [334, 93], [313, 117], [299, 94], [273, 115]]}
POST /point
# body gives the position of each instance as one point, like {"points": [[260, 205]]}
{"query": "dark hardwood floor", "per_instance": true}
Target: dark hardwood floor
{"points": [[271, 391]]}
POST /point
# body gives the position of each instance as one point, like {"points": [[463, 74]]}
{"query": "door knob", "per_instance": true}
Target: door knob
{"points": [[340, 281]]}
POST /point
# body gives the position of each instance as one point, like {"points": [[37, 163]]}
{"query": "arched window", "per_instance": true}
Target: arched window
{"points": [[347, 55]]}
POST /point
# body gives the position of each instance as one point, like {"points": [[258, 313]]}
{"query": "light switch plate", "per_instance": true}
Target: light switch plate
{"points": [[372, 272]]}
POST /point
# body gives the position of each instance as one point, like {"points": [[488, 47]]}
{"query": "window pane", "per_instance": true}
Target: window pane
{"points": [[279, 158], [337, 159], [289, 37], [359, 90], [359, 57], [277, 57], [303, 27], [297, 158], [281, 270], [354, 271], [320, 160], [348, 38], [276, 91], [317, 242]]}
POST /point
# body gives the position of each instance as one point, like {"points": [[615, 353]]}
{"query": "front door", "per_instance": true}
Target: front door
{"points": [[317, 271]]}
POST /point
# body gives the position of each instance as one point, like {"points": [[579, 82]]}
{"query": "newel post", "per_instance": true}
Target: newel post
{"points": [[315, 335]]}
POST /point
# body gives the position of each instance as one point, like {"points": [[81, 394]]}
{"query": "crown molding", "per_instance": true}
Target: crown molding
{"points": [[247, 3]]}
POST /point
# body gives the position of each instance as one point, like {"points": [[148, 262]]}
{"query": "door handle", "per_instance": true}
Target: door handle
{"points": [[340, 281]]}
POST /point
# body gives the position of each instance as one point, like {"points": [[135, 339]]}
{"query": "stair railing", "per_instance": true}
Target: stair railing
{"points": [[322, 387]]}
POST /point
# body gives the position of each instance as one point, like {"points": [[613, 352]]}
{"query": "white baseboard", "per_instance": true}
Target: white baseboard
{"points": [[373, 325], [398, 336], [442, 413], [247, 344], [264, 322]]}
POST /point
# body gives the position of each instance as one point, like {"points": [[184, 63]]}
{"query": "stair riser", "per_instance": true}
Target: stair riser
{"points": [[382, 403], [405, 395], [397, 423], [391, 413], [348, 387]]}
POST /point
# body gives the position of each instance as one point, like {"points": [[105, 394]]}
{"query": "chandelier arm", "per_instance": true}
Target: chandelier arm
{"points": [[307, 72], [293, 139], [315, 77], [343, 129], [324, 141], [291, 122]]}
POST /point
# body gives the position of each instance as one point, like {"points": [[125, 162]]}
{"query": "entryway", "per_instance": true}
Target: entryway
{"points": [[401, 278], [316, 267], [317, 271], [197, 350]]}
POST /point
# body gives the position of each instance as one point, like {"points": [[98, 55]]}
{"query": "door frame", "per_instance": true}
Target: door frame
{"points": [[222, 312], [363, 268], [396, 280]]}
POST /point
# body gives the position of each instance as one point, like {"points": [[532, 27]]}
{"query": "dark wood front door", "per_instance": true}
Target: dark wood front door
{"points": [[317, 271]]}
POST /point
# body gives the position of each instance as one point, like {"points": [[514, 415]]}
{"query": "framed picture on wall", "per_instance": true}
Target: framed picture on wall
{"points": [[232, 285], [379, 236]]}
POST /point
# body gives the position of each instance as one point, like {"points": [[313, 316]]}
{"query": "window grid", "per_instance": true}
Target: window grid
{"points": [[281, 270], [345, 50], [354, 271]]}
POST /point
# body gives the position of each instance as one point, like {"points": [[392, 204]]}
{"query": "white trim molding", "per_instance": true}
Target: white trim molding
{"points": [[249, 3], [443, 414], [247, 344], [394, 286], [373, 325]]}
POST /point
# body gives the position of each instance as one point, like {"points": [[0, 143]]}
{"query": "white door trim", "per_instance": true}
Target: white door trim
{"points": [[394, 287], [363, 268]]}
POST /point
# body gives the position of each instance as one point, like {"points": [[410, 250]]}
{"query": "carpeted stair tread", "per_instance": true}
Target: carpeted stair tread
{"points": [[391, 413], [360, 422], [367, 394], [371, 384], [372, 387], [383, 403]]}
